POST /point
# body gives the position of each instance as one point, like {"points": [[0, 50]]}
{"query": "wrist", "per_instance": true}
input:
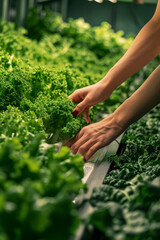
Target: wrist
{"points": [[103, 88], [115, 120], [107, 85], [122, 116], [111, 80]]}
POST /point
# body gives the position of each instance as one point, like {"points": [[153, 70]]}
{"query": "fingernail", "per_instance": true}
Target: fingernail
{"points": [[75, 113]]}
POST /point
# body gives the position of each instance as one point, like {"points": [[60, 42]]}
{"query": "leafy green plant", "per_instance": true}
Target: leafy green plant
{"points": [[37, 183], [124, 204]]}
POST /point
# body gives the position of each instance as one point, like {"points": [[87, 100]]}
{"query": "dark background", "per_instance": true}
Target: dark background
{"points": [[123, 15]]}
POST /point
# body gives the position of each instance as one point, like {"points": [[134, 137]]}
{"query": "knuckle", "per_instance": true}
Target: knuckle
{"points": [[87, 157], [76, 91], [84, 129], [88, 99], [88, 130], [81, 149], [74, 148], [92, 149], [90, 133], [101, 139], [78, 108]]}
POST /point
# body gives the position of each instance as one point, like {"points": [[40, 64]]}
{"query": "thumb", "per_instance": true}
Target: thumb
{"points": [[80, 107]]}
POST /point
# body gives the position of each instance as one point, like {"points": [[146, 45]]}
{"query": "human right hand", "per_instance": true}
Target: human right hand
{"points": [[87, 97], [95, 136]]}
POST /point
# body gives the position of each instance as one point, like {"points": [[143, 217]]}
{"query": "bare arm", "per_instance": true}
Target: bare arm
{"points": [[99, 134], [144, 48], [144, 99]]}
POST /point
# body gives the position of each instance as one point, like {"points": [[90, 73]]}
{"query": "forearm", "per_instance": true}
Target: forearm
{"points": [[144, 99], [144, 48]]}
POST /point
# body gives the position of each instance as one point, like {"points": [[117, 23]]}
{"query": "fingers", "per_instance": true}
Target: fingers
{"points": [[74, 139], [75, 97], [70, 142], [86, 148], [86, 115], [81, 107], [82, 145], [93, 137], [85, 144], [92, 150]]}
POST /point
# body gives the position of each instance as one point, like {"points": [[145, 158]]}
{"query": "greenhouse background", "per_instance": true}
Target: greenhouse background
{"points": [[122, 15], [79, 120]]}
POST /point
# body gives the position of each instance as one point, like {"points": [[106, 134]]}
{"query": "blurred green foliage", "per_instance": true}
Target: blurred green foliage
{"points": [[39, 68]]}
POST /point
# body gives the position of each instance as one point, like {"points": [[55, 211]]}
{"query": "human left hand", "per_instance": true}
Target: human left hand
{"points": [[94, 136]]}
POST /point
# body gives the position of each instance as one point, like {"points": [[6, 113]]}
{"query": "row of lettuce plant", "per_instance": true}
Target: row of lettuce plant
{"points": [[39, 68]]}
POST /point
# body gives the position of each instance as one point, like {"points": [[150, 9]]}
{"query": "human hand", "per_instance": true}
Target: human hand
{"points": [[95, 136], [87, 97]]}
